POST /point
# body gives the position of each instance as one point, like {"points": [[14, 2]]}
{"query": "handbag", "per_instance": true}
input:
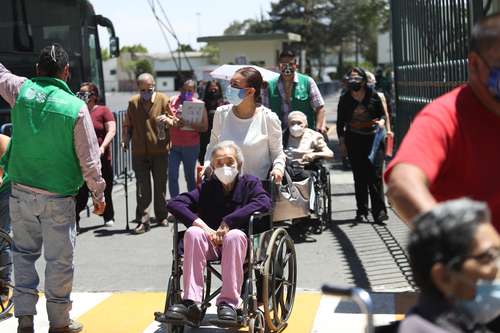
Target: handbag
{"points": [[291, 200]]}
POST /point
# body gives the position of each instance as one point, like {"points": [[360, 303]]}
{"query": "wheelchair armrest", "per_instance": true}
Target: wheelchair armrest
{"points": [[257, 216]]}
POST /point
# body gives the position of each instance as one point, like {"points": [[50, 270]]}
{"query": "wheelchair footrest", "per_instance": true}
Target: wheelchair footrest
{"points": [[228, 323]]}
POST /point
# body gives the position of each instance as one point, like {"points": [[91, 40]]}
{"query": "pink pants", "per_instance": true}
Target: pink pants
{"points": [[198, 249]]}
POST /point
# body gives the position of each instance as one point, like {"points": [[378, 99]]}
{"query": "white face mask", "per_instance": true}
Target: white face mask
{"points": [[226, 174], [297, 130]]}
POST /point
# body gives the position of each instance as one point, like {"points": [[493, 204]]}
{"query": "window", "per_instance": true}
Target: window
{"points": [[94, 60], [112, 72]]}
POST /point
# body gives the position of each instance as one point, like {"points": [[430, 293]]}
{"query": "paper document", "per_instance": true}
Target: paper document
{"points": [[192, 114]]}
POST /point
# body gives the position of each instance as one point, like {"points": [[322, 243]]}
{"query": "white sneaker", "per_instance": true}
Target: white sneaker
{"points": [[109, 223]]}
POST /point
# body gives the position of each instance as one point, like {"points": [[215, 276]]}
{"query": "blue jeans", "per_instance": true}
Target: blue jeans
{"points": [[188, 156], [5, 258], [39, 219]]}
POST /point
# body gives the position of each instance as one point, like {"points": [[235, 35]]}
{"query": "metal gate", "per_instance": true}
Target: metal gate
{"points": [[430, 43]]}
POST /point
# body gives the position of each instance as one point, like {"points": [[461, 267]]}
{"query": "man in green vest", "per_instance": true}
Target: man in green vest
{"points": [[53, 149], [292, 91]]}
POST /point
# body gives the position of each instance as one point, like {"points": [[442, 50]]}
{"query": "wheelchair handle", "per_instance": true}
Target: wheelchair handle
{"points": [[359, 296]]}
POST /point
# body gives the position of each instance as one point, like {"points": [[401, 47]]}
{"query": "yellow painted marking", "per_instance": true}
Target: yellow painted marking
{"points": [[123, 313], [304, 312]]}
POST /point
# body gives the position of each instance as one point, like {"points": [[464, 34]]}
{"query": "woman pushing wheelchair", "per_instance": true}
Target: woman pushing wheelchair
{"points": [[216, 215]]}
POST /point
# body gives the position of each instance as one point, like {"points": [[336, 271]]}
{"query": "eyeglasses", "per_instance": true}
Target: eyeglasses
{"points": [[84, 94], [487, 257]]}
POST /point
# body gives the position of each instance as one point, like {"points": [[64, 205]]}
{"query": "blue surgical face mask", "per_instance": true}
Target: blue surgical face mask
{"points": [[494, 82], [486, 305], [187, 96], [235, 95], [147, 95]]}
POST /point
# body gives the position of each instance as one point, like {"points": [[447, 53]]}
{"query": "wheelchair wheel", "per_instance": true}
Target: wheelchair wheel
{"points": [[280, 280], [6, 303], [257, 324], [172, 298], [327, 200]]}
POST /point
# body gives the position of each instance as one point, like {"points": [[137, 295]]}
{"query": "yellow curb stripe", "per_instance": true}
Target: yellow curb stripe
{"points": [[304, 312], [123, 313]]}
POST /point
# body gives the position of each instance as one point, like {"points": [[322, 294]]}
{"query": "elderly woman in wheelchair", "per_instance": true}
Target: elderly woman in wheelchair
{"points": [[303, 146], [307, 152], [216, 215]]}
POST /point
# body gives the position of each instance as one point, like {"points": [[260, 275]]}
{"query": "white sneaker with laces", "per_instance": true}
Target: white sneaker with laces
{"points": [[109, 223]]}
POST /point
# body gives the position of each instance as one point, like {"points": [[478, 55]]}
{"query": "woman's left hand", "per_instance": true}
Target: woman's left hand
{"points": [[102, 150], [220, 233], [277, 174], [380, 123]]}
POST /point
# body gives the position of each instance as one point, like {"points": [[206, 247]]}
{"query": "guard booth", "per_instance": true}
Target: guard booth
{"points": [[430, 43]]}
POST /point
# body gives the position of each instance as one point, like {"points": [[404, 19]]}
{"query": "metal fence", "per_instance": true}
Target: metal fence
{"points": [[121, 160], [430, 43]]}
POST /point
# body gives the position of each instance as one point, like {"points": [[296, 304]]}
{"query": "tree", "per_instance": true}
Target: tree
{"points": [[105, 54], [184, 48], [142, 66], [212, 52], [306, 18], [136, 48]]}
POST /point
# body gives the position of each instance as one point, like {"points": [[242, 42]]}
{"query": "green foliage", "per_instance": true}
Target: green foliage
{"points": [[324, 24], [105, 54], [185, 48], [136, 48], [212, 52], [142, 66], [248, 26]]}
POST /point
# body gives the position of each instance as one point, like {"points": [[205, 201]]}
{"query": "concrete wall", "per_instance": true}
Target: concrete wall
{"points": [[254, 51], [198, 64], [110, 69], [384, 48]]}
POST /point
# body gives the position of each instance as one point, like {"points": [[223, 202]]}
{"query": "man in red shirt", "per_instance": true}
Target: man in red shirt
{"points": [[452, 147]]}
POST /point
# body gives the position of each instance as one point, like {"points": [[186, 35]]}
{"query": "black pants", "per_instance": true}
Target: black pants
{"points": [[83, 195], [367, 175]]}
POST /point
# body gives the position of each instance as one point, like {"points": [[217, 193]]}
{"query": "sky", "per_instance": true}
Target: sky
{"points": [[134, 21]]}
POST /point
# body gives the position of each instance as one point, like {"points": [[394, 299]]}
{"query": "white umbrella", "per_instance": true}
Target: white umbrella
{"points": [[226, 72]]}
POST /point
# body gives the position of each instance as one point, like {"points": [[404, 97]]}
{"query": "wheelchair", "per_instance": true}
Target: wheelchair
{"points": [[314, 185], [269, 283], [364, 302]]}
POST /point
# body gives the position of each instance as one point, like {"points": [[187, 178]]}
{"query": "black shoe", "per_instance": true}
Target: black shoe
{"points": [[226, 312], [142, 228], [187, 311], [380, 218], [362, 218], [25, 324]]}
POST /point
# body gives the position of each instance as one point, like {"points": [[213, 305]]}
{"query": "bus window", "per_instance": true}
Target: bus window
{"points": [[95, 58]]}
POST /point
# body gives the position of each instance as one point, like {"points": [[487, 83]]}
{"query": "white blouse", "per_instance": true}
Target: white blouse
{"points": [[259, 137]]}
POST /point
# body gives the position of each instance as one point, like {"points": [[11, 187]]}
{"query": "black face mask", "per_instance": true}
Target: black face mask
{"points": [[355, 86], [214, 94], [287, 70]]}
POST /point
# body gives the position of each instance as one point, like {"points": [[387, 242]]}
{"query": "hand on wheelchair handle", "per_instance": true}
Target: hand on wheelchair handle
{"points": [[276, 176]]}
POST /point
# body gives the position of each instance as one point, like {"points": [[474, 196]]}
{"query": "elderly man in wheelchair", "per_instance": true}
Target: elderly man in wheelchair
{"points": [[216, 215], [307, 152]]}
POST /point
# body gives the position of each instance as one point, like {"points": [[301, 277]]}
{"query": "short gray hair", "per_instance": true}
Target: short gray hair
{"points": [[229, 144], [444, 234], [146, 77]]}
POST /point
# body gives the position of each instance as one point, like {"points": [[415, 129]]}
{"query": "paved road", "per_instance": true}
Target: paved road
{"points": [[120, 277]]}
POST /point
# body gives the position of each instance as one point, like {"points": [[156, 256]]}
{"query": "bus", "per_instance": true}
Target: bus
{"points": [[27, 26]]}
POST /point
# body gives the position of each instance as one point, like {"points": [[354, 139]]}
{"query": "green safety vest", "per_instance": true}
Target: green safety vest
{"points": [[42, 147], [300, 99], [3, 164]]}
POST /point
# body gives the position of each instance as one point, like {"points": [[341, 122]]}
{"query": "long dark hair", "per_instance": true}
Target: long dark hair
{"points": [[213, 101], [254, 80]]}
